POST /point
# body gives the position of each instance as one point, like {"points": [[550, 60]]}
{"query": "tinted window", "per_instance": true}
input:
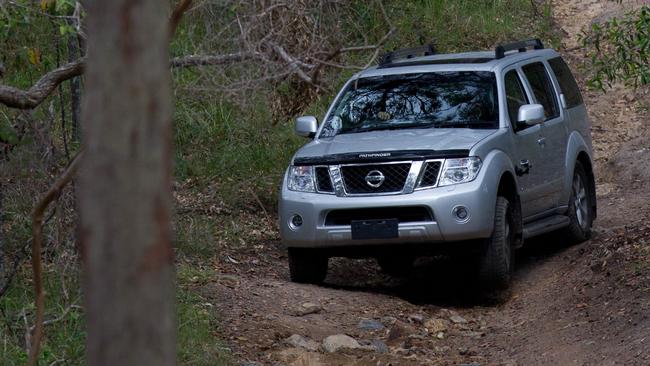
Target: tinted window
{"points": [[542, 88], [428, 100], [568, 84], [515, 97]]}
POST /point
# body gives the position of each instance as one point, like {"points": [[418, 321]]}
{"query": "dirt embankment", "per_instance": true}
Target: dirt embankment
{"points": [[587, 305]]}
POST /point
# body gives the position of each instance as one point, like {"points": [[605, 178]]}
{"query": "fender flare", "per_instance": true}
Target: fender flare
{"points": [[500, 167], [576, 145]]}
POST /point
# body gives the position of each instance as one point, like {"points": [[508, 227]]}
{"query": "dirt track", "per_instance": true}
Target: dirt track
{"points": [[586, 305]]}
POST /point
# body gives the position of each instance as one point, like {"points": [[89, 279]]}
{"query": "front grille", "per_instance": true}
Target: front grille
{"points": [[354, 177], [323, 181], [430, 175], [402, 214]]}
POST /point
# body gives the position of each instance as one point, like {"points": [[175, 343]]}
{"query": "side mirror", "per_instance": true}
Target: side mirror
{"points": [[306, 126], [531, 114]]}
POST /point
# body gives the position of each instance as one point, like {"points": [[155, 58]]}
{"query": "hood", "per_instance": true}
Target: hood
{"points": [[437, 139]]}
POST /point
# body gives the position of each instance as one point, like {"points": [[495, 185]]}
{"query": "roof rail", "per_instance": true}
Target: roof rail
{"points": [[406, 53], [521, 46]]}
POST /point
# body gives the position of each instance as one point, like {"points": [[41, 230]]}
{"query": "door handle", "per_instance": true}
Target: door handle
{"points": [[523, 168], [541, 141]]}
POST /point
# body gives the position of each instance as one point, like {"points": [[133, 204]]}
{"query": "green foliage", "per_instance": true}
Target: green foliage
{"points": [[619, 50], [198, 343], [64, 341], [64, 338], [231, 144], [466, 25]]}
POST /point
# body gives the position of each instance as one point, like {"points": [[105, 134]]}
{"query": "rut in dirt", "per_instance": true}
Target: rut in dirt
{"points": [[584, 304]]}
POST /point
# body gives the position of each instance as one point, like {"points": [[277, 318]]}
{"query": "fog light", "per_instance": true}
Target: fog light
{"points": [[461, 213], [295, 222]]}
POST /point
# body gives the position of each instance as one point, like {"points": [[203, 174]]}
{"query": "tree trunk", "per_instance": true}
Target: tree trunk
{"points": [[125, 185], [73, 54]]}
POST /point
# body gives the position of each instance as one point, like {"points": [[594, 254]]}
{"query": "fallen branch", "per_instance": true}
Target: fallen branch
{"points": [[37, 243]]}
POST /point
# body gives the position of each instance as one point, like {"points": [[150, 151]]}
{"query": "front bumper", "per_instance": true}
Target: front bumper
{"points": [[478, 198]]}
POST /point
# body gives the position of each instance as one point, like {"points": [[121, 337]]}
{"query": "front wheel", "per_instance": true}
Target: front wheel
{"points": [[580, 206], [307, 265], [496, 262]]}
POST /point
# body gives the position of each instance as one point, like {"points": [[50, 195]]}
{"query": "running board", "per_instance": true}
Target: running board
{"points": [[545, 225]]}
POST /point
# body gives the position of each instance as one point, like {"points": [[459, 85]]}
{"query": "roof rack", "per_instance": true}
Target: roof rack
{"points": [[406, 53], [521, 46]]}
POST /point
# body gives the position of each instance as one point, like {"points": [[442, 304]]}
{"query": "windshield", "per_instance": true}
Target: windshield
{"points": [[428, 100]]}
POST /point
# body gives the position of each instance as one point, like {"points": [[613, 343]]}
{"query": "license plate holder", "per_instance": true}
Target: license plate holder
{"points": [[375, 229]]}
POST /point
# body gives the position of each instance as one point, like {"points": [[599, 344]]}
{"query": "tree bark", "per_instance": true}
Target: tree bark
{"points": [[125, 185], [75, 95]]}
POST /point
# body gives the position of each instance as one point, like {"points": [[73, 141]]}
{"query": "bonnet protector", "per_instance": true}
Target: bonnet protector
{"points": [[380, 157]]}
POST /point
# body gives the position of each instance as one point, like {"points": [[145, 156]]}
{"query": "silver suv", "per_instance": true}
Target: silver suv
{"points": [[467, 153]]}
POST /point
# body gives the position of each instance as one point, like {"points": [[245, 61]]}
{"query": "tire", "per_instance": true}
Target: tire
{"points": [[307, 266], [396, 265], [496, 263], [580, 206]]}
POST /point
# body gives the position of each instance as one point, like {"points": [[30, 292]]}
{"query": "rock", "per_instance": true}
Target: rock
{"points": [[308, 308], [457, 319], [337, 342], [249, 363], [369, 324], [463, 351], [395, 334], [390, 320], [440, 335], [379, 346], [299, 341], [435, 325], [416, 318]]}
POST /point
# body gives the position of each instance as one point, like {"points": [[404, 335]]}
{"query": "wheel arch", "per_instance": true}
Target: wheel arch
{"points": [[508, 188], [579, 151]]}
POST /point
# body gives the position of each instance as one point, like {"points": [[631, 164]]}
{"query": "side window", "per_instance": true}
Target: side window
{"points": [[515, 97], [567, 82], [542, 88]]}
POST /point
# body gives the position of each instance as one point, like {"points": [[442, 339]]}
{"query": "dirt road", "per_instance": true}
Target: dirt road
{"points": [[585, 305]]}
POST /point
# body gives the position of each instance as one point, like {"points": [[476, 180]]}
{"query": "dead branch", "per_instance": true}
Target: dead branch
{"points": [[214, 60], [37, 243], [279, 41], [292, 63], [28, 99]]}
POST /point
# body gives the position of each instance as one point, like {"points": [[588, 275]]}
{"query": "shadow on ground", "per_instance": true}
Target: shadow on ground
{"points": [[440, 281]]}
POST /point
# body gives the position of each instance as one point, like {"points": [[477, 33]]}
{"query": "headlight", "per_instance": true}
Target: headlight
{"points": [[460, 170], [301, 178]]}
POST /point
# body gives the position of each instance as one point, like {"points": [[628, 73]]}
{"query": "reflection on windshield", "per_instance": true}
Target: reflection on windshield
{"points": [[428, 100]]}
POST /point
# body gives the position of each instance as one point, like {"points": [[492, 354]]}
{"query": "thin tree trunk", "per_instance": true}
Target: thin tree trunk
{"points": [[125, 185], [75, 99]]}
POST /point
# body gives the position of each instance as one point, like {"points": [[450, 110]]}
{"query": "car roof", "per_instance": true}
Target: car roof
{"points": [[466, 61]]}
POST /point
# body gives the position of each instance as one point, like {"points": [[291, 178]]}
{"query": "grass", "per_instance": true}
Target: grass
{"points": [[197, 339], [232, 149]]}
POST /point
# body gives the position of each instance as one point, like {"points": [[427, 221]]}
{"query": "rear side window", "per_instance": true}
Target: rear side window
{"points": [[542, 88], [515, 97], [568, 84]]}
